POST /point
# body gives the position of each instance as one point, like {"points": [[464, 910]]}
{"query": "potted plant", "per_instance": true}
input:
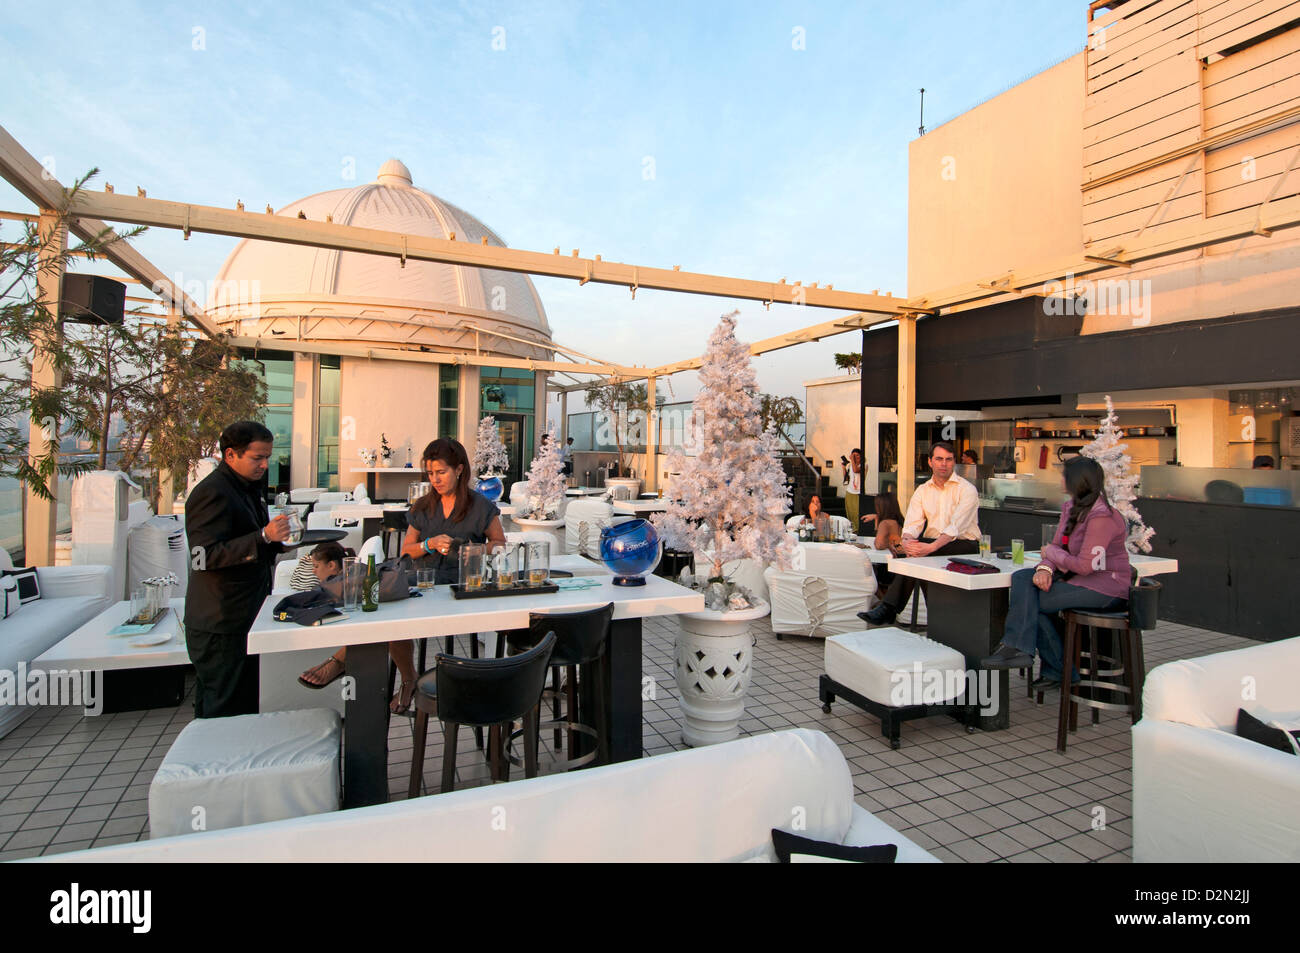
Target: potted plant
{"points": [[490, 459], [731, 503], [546, 485], [385, 451]]}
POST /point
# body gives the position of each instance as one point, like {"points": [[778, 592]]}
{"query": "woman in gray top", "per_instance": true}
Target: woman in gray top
{"points": [[449, 515]]}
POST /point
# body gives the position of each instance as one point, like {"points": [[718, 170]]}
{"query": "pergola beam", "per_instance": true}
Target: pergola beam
{"points": [[279, 228]]}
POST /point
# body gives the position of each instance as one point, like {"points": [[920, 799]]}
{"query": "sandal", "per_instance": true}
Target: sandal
{"points": [[401, 702], [318, 671]]}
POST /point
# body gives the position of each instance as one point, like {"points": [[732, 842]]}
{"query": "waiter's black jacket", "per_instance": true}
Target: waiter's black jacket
{"points": [[230, 566]]}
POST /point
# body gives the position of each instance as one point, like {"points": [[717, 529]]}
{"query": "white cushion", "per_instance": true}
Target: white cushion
{"points": [[373, 546], [708, 804], [360, 493], [308, 494], [881, 665], [247, 769], [596, 515]]}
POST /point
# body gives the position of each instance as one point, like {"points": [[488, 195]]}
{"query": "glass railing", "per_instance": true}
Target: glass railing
{"points": [[1222, 485]]}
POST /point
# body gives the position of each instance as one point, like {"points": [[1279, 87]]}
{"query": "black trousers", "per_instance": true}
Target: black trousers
{"points": [[226, 676], [900, 590]]}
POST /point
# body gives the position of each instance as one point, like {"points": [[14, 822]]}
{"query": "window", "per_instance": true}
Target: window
{"points": [[448, 400], [328, 389], [276, 369]]}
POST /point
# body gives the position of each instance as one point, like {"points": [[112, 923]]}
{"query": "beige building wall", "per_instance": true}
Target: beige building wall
{"points": [[1072, 162], [998, 187], [389, 397]]}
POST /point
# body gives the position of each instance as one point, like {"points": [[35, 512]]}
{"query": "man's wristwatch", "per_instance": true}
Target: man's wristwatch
{"points": [[264, 539]]}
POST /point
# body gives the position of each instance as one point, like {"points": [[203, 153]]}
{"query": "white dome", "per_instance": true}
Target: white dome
{"points": [[375, 292]]}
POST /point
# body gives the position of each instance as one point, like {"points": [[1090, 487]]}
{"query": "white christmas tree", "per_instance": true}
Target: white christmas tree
{"points": [[490, 457], [546, 483], [731, 497], [1121, 481]]}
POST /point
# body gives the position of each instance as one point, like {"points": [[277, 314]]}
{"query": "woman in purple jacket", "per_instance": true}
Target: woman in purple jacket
{"points": [[1085, 567]]}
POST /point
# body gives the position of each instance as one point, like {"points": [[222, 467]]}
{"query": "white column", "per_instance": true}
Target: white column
{"points": [[469, 408], [302, 463], [906, 408]]}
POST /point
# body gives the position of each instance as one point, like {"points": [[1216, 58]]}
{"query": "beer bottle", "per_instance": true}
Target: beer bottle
{"points": [[370, 587]]}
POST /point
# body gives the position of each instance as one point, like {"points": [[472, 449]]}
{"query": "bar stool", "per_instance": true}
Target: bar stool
{"points": [[394, 528], [483, 693], [581, 639], [1124, 676]]}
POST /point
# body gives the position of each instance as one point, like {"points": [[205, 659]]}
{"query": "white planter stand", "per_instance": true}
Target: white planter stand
{"points": [[714, 662], [552, 528]]}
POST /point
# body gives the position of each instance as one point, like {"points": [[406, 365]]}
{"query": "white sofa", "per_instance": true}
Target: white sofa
{"points": [[70, 597], [823, 591], [718, 803], [1201, 793]]}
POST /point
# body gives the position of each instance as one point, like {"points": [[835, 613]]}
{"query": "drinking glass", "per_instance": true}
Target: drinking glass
{"points": [[1017, 552], [537, 563], [351, 583], [424, 579], [472, 559], [295, 523], [505, 562], [986, 546], [138, 604], [1049, 533]]}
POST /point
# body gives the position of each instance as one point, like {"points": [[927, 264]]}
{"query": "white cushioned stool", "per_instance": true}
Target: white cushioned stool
{"points": [[895, 675], [247, 769]]}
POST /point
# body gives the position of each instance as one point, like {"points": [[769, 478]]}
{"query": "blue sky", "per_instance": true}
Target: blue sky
{"points": [[769, 161]]}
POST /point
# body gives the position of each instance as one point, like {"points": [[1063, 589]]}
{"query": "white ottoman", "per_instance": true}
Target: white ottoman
{"points": [[230, 772], [895, 675]]}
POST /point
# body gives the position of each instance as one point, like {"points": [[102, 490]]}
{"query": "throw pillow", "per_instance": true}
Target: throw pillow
{"points": [[29, 587], [807, 850], [9, 599], [1270, 735], [303, 578]]}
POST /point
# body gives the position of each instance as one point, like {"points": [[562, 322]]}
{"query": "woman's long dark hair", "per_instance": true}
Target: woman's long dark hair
{"points": [[451, 452], [887, 508], [807, 510], [1085, 481]]}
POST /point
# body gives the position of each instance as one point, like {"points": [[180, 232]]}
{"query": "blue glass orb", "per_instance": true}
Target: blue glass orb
{"points": [[490, 488], [630, 550]]}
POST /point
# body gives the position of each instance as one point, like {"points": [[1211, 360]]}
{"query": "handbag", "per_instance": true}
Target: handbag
{"points": [[394, 584], [970, 567]]}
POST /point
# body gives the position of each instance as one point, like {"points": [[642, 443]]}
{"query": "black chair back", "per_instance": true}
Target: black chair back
{"points": [[580, 636], [491, 691], [1144, 603]]}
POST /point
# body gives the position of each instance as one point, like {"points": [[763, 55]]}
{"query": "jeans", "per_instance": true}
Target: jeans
{"points": [[1031, 617]]}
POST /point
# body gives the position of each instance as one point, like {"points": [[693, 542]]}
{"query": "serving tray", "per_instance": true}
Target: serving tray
{"points": [[491, 592]]}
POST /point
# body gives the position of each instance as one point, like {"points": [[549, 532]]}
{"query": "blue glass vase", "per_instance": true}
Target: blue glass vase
{"points": [[630, 550], [490, 488]]}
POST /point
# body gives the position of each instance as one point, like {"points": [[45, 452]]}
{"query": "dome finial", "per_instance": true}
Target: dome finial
{"points": [[393, 172]]}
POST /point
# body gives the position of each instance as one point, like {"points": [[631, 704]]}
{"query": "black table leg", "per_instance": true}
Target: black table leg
{"points": [[372, 483], [972, 622], [622, 691], [365, 739]]}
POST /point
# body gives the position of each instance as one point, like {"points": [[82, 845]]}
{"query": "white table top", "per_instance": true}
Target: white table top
{"points": [[506, 509], [362, 511], [437, 614], [91, 648], [411, 471], [931, 569], [640, 506], [585, 491]]}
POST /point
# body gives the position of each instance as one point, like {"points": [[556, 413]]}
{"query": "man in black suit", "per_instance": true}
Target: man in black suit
{"points": [[232, 546]]}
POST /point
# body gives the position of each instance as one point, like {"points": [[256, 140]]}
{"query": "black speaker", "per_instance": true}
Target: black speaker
{"points": [[92, 299]]}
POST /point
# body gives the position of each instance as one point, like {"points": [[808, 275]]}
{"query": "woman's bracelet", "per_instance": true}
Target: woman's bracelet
{"points": [[425, 546], [1042, 568]]}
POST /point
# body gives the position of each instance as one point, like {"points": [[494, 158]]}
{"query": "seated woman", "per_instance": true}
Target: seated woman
{"points": [[326, 563], [815, 519], [438, 523], [888, 519], [1086, 566]]}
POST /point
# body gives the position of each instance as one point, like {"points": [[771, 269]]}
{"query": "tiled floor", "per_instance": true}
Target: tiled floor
{"points": [[69, 782]]}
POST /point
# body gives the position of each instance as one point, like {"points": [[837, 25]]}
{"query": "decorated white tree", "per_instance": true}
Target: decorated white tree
{"points": [[546, 483], [1121, 480], [490, 457], [731, 497]]}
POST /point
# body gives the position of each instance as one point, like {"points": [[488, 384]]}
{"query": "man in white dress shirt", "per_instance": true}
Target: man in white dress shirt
{"points": [[942, 520]]}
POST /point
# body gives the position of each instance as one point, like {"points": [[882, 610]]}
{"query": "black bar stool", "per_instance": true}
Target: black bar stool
{"points": [[394, 528], [581, 640], [1123, 676], [483, 693]]}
